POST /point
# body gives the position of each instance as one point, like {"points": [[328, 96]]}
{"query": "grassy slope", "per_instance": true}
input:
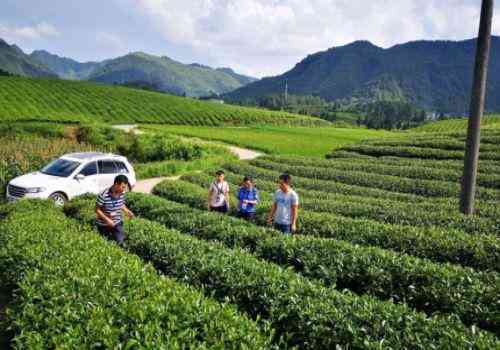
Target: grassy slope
{"points": [[490, 122], [59, 100], [281, 140]]}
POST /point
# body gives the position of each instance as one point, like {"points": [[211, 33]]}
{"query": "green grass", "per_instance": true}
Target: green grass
{"points": [[347, 117], [452, 125], [72, 101], [301, 141]]}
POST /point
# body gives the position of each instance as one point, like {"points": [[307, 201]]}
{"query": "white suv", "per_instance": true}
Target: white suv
{"points": [[71, 175]]}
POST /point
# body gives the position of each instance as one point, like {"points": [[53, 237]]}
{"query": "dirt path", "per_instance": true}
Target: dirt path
{"points": [[243, 153], [147, 185], [128, 128]]}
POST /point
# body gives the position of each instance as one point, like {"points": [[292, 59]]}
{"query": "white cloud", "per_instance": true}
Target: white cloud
{"points": [[263, 37], [17, 33]]}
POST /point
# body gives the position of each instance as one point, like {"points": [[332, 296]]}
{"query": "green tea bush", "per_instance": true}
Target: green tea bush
{"points": [[413, 171], [433, 142], [320, 185], [437, 244], [419, 283], [76, 291], [427, 188], [416, 152], [303, 313], [387, 211], [78, 101], [485, 166]]}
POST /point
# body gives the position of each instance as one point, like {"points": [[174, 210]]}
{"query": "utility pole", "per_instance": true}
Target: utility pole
{"points": [[476, 109]]}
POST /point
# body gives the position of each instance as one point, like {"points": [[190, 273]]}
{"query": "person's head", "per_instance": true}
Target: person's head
{"points": [[285, 181], [219, 175], [247, 182], [120, 184]]}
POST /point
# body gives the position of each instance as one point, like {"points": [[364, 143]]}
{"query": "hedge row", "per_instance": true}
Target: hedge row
{"points": [[415, 152], [303, 313], [75, 291], [341, 154], [485, 167], [446, 144], [427, 188], [413, 171], [421, 284], [495, 140], [444, 206], [322, 185], [393, 212], [440, 245]]}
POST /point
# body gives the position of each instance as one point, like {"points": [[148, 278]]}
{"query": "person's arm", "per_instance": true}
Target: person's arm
{"points": [[128, 212], [256, 198], [102, 215], [271, 214], [226, 195], [295, 210]]}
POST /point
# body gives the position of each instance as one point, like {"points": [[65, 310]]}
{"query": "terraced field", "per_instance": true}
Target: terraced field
{"points": [[76, 102], [488, 122], [382, 259]]}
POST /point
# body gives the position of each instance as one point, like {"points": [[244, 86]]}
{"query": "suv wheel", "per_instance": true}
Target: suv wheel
{"points": [[58, 198]]}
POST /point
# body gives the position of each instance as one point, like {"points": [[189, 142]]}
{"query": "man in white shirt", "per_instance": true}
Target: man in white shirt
{"points": [[285, 207], [218, 194]]}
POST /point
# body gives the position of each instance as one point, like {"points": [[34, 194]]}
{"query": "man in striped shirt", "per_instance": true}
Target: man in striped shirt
{"points": [[109, 207]]}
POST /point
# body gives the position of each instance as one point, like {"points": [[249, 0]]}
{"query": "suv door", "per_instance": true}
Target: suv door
{"points": [[121, 167], [89, 183], [107, 173]]}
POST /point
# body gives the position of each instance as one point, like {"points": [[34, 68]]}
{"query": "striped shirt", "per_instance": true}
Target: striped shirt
{"points": [[111, 206]]}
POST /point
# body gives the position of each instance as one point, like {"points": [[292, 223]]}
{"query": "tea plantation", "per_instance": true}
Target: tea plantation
{"points": [[382, 258], [76, 102]]}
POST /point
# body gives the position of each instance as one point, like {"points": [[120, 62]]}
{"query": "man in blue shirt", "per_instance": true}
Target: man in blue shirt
{"points": [[109, 207], [285, 207], [248, 198]]}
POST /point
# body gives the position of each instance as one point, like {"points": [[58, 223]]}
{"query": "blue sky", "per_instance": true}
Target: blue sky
{"points": [[256, 37]]}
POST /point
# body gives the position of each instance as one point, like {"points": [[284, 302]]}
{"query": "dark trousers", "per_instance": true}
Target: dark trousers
{"points": [[115, 233], [246, 215], [286, 229], [221, 209]]}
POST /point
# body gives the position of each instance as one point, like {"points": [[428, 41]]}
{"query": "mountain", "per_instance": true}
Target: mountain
{"points": [[436, 75], [14, 61], [243, 79], [136, 70], [66, 68], [168, 75]]}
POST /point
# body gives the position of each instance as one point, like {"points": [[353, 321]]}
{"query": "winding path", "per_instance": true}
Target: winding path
{"points": [[147, 185]]}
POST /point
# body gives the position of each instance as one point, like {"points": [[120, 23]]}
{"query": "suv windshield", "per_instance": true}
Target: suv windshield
{"points": [[60, 167]]}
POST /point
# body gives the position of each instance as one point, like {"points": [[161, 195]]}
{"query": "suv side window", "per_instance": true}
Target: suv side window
{"points": [[107, 167], [122, 168], [89, 169]]}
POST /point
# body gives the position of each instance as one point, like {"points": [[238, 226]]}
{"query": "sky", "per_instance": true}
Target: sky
{"points": [[254, 37]]}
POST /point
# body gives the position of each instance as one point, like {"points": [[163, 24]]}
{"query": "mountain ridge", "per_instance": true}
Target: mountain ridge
{"points": [[436, 75], [14, 61]]}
